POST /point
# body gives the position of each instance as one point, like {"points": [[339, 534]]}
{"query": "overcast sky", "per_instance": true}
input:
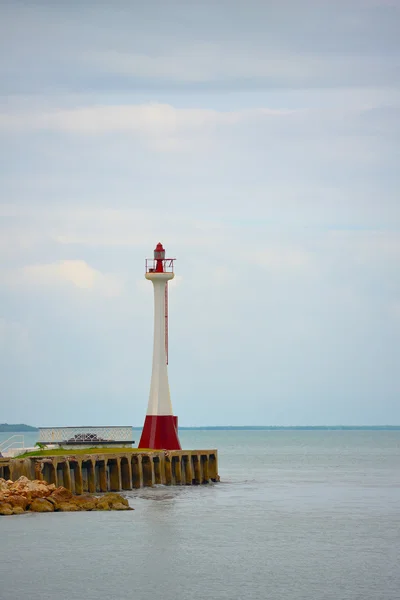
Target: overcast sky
{"points": [[259, 142]]}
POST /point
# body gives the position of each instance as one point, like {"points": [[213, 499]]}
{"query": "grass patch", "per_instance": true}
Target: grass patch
{"points": [[64, 452]]}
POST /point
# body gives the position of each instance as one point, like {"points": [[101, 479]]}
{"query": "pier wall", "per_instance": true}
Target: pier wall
{"points": [[109, 472]]}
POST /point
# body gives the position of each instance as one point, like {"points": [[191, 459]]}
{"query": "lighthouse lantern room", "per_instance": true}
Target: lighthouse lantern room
{"points": [[160, 430]]}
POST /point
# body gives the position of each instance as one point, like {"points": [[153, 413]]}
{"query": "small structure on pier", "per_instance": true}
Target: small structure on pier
{"points": [[84, 437]]}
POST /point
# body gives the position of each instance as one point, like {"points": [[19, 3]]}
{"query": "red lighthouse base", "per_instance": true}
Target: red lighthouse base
{"points": [[160, 432]]}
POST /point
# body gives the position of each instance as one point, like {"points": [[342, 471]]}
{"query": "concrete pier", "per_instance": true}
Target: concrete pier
{"points": [[5, 468], [113, 472]]}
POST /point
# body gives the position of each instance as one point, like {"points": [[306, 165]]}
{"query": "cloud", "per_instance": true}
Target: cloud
{"points": [[282, 136], [216, 63], [160, 127], [150, 119], [238, 45], [71, 272], [131, 229], [207, 63]]}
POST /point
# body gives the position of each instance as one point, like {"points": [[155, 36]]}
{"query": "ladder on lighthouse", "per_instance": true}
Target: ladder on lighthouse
{"points": [[166, 321]]}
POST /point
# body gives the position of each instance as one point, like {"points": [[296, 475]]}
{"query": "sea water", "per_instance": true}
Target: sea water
{"points": [[311, 515]]}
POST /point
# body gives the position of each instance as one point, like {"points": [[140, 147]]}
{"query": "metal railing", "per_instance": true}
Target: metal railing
{"points": [[57, 435], [151, 265], [14, 442]]}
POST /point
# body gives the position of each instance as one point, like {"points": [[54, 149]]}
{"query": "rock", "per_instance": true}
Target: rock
{"points": [[33, 489], [5, 509], [38, 496], [113, 498], [103, 505], [17, 488], [113, 501], [38, 489], [20, 501], [85, 502], [119, 506], [22, 480], [18, 510], [60, 494], [41, 505], [67, 507]]}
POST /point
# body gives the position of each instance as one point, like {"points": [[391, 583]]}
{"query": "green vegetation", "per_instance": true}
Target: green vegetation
{"points": [[41, 446], [72, 452], [16, 427]]}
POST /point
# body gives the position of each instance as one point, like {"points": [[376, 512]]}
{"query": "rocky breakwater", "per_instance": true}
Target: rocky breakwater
{"points": [[23, 495]]}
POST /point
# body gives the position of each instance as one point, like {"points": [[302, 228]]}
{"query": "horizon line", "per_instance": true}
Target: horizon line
{"points": [[187, 427]]}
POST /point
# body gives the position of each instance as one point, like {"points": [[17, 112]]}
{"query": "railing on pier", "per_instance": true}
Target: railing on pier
{"points": [[13, 442], [86, 435]]}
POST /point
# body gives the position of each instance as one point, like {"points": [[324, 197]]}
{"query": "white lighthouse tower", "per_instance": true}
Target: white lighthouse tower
{"points": [[160, 430]]}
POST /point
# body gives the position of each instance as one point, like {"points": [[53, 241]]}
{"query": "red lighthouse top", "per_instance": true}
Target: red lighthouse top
{"points": [[159, 264]]}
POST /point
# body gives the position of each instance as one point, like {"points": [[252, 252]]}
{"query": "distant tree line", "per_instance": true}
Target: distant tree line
{"points": [[12, 427]]}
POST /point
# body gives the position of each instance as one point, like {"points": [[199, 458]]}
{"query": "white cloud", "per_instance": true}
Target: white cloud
{"points": [[150, 119], [207, 62], [72, 272], [161, 127], [134, 228]]}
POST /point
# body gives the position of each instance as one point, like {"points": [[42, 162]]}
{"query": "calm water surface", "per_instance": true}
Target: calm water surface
{"points": [[311, 515]]}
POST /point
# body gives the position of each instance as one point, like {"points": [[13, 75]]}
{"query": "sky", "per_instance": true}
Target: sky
{"points": [[259, 142]]}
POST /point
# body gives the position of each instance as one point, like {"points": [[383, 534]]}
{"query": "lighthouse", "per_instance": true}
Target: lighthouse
{"points": [[160, 430]]}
